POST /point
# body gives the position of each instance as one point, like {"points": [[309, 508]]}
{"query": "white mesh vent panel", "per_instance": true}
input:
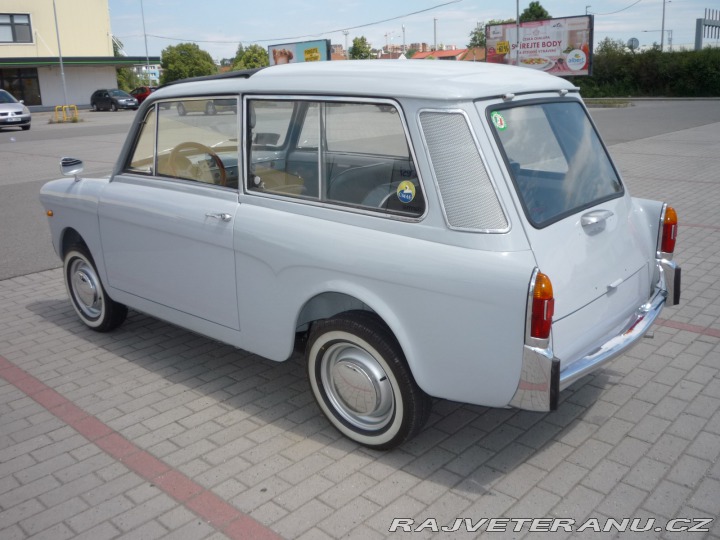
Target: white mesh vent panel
{"points": [[467, 194]]}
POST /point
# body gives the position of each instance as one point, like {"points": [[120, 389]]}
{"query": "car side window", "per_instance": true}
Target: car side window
{"points": [[350, 154], [190, 139]]}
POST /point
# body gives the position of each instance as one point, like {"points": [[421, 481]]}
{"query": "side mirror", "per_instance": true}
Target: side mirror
{"points": [[71, 167]]}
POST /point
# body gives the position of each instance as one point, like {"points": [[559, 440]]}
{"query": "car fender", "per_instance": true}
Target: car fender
{"points": [[74, 206]]}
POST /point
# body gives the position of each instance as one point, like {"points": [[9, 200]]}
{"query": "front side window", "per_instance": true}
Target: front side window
{"points": [[556, 159], [15, 28], [190, 139], [348, 154]]}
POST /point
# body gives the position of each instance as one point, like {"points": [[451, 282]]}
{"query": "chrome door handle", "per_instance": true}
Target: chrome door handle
{"points": [[222, 216], [595, 217]]}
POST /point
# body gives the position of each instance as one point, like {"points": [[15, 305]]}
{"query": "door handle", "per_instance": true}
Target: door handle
{"points": [[595, 217], [221, 216]]}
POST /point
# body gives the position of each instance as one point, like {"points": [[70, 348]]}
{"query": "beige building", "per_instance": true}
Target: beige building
{"points": [[30, 61]]}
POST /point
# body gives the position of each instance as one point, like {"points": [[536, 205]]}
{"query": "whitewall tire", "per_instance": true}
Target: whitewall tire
{"points": [[361, 381]]}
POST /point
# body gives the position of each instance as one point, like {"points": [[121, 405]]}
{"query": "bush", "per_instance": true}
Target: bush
{"points": [[619, 72]]}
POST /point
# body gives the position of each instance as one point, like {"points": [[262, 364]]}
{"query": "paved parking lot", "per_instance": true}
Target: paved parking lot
{"points": [[153, 431]]}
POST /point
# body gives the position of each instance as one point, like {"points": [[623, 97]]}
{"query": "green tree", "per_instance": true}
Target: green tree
{"points": [[185, 60], [238, 54], [253, 57], [534, 12], [126, 77], [360, 49], [410, 53], [477, 36]]}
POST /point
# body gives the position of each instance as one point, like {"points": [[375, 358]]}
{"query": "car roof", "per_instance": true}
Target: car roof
{"points": [[439, 79]]}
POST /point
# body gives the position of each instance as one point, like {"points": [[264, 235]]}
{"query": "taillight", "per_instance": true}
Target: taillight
{"points": [[543, 307], [669, 230]]}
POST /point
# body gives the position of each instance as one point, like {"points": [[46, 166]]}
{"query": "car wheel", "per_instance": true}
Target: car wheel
{"points": [[87, 294], [210, 108], [181, 109], [25, 128], [113, 107], [95, 107], [361, 381]]}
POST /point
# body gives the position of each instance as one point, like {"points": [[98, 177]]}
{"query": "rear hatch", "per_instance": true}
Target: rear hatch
{"points": [[583, 227]]}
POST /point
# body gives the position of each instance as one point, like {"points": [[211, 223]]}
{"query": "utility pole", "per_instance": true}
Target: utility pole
{"points": [[662, 29], [347, 51], [435, 34], [147, 57], [62, 69], [404, 49]]}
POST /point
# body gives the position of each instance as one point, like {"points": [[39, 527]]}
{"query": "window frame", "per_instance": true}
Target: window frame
{"points": [[489, 109], [13, 29], [155, 109], [322, 149]]}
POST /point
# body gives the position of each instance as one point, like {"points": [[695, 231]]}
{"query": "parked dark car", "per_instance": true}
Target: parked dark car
{"points": [[142, 92], [112, 99], [13, 113]]}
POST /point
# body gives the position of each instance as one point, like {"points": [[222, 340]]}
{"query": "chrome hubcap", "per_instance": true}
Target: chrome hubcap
{"points": [[357, 386], [85, 288]]}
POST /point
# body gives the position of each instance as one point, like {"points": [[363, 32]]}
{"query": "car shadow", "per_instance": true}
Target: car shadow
{"points": [[269, 405]]}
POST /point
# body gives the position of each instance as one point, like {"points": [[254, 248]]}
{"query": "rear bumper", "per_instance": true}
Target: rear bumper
{"points": [[541, 379]]}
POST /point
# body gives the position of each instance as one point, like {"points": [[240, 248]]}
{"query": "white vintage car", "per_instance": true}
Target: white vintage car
{"points": [[426, 229]]}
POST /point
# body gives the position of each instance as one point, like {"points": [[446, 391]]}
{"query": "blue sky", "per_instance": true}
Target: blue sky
{"points": [[217, 26]]}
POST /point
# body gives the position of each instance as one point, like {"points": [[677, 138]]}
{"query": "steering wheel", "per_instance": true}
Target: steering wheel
{"points": [[179, 163]]}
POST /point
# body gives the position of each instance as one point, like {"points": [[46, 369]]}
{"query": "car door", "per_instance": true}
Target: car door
{"points": [[104, 100], [166, 222]]}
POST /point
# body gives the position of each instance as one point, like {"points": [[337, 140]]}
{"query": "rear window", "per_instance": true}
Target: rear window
{"points": [[556, 159]]}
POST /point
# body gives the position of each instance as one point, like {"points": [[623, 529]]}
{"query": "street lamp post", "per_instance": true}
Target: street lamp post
{"points": [[662, 30], [147, 57], [62, 69]]}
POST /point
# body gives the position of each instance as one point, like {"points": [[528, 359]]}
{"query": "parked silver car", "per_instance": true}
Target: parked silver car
{"points": [[424, 229], [13, 113]]}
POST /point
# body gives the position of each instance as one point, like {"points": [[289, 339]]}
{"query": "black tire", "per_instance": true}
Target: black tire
{"points": [[25, 128], [181, 109], [92, 304], [379, 405], [95, 107], [113, 107]]}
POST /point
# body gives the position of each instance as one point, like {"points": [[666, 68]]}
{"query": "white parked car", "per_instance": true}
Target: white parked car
{"points": [[426, 229]]}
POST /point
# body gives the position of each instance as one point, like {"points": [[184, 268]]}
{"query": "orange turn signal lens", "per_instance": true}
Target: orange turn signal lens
{"points": [[669, 231], [543, 307], [49, 213]]}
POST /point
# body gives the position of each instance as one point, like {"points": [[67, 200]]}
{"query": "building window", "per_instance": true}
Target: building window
{"points": [[15, 28], [22, 83]]}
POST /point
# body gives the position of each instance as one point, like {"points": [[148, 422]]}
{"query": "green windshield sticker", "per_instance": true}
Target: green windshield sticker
{"points": [[498, 120]]}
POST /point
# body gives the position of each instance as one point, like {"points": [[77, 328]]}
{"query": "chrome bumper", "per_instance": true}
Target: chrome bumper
{"points": [[541, 379]]}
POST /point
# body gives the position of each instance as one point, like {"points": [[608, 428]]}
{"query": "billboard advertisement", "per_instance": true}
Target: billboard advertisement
{"points": [[559, 46], [303, 51]]}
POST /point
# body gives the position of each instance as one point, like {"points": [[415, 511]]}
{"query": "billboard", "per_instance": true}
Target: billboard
{"points": [[303, 51], [559, 46]]}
